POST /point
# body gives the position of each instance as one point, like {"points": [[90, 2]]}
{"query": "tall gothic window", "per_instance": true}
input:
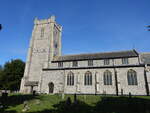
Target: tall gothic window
{"points": [[42, 32], [70, 79], [107, 78], [132, 77], [88, 78]]}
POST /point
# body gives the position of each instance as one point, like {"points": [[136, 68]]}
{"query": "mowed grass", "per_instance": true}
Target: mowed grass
{"points": [[45, 101], [87, 104]]}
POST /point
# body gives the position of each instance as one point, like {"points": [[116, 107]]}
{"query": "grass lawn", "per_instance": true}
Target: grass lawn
{"points": [[85, 104]]}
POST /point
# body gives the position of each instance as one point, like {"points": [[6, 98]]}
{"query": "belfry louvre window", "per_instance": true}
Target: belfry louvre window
{"points": [[125, 61], [88, 78], [106, 62], [75, 64], [42, 32], [132, 77], [60, 64], [107, 78], [90, 62], [70, 79]]}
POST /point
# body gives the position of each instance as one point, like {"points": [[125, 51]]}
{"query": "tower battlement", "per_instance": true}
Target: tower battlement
{"points": [[44, 21], [52, 19]]}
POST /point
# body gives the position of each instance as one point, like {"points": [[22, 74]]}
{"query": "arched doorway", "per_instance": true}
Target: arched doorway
{"points": [[51, 87]]}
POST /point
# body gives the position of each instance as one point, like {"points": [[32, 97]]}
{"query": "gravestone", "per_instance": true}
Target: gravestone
{"points": [[130, 96], [75, 98], [68, 101], [62, 96], [4, 98], [25, 106], [121, 92]]}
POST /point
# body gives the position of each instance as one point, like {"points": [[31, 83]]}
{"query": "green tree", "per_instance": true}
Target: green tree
{"points": [[11, 74], [1, 74]]}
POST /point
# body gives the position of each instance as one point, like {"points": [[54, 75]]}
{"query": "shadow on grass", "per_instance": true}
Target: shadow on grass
{"points": [[14, 100], [64, 107], [105, 105], [122, 105]]}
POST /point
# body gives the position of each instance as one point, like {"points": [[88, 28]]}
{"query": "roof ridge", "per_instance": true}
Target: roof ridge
{"points": [[97, 53]]}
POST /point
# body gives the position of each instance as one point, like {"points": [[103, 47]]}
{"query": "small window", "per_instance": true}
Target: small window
{"points": [[60, 64], [55, 45], [90, 62], [42, 32], [125, 61], [75, 64], [106, 62]]}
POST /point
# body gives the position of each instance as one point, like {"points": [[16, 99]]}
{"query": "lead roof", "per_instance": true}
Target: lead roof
{"points": [[94, 56]]}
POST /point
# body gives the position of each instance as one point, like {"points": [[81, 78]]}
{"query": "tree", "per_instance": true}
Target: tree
{"points": [[1, 72], [11, 75]]}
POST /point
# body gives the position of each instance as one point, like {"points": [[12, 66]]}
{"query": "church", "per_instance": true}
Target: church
{"points": [[47, 71]]}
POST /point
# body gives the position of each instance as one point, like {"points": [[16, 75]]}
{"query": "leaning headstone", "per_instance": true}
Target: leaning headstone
{"points": [[130, 96], [121, 92], [25, 106], [68, 101], [62, 96], [75, 99]]}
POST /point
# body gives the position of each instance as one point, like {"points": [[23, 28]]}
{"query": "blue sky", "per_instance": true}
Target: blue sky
{"points": [[88, 25]]}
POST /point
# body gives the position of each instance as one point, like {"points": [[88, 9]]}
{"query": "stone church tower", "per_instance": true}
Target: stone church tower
{"points": [[45, 44]]}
